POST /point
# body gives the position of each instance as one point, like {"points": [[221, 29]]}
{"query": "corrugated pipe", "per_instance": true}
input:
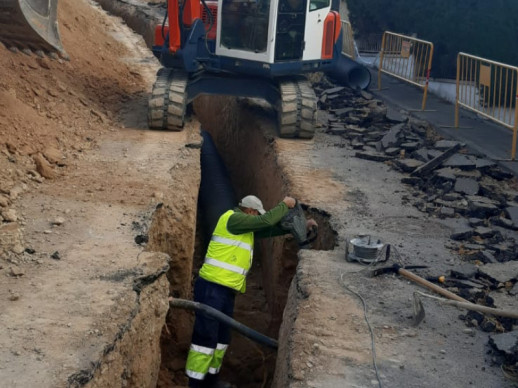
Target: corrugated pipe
{"points": [[350, 73], [216, 194]]}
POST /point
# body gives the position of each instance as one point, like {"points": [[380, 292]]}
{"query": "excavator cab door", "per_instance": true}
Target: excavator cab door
{"points": [[315, 25], [30, 24]]}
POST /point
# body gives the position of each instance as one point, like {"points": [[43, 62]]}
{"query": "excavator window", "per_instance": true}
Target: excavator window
{"points": [[318, 4], [244, 25]]}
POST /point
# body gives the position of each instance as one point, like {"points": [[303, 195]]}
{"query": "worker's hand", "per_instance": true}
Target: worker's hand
{"points": [[311, 224], [290, 202]]}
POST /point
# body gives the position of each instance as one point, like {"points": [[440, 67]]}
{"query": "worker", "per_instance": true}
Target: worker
{"points": [[222, 276]]}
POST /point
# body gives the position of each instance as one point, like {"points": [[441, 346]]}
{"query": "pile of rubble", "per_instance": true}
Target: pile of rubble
{"points": [[447, 182]]}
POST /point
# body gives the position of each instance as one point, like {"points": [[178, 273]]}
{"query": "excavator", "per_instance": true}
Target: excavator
{"points": [[245, 48]]}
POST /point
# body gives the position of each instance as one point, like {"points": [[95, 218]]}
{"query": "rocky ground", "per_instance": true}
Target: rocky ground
{"points": [[82, 304]]}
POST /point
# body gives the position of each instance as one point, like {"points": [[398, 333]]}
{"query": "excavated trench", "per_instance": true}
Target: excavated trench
{"points": [[245, 140]]}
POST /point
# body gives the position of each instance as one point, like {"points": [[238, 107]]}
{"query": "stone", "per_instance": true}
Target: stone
{"points": [[395, 115], [391, 138], [486, 256], [408, 165], [447, 212], [452, 196], [481, 207], [445, 144], [366, 95], [446, 174], [431, 165], [466, 186], [58, 221], [464, 271], [505, 342], [9, 215], [512, 213], [357, 145], [504, 223], [421, 154], [474, 222], [498, 173], [484, 232], [16, 272], [514, 290], [410, 146], [461, 234], [15, 192], [500, 272], [392, 151], [483, 163], [505, 251], [459, 161], [377, 157], [333, 90], [4, 201], [43, 167], [342, 111], [53, 155]]}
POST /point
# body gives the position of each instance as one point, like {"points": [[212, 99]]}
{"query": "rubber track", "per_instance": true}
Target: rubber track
{"points": [[297, 110], [167, 103]]}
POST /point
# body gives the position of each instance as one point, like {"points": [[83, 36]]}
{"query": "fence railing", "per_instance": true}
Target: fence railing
{"points": [[348, 40], [370, 44], [406, 58], [490, 89]]}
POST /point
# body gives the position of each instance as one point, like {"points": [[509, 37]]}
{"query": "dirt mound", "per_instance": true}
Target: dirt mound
{"points": [[56, 107]]}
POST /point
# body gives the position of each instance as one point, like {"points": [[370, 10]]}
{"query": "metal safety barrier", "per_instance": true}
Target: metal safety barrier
{"points": [[406, 58], [370, 44], [348, 40], [490, 89]]}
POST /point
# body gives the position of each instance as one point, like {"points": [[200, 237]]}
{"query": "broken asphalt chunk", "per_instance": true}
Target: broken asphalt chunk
{"points": [[462, 234], [500, 272], [377, 157], [408, 165], [467, 186], [391, 138], [435, 162], [460, 161]]}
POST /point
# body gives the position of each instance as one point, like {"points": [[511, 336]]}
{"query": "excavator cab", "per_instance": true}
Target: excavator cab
{"points": [[30, 25]]}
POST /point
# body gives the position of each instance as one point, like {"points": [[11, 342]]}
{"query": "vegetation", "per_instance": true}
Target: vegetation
{"points": [[480, 27]]}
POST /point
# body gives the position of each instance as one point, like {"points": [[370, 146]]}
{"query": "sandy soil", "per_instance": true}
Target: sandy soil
{"points": [[79, 180]]}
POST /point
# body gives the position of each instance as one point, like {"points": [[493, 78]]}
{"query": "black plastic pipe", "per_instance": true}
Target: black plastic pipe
{"points": [[216, 194], [350, 73], [210, 311]]}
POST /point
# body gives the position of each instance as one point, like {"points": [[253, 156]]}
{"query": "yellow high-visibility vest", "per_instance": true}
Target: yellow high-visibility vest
{"points": [[229, 256]]}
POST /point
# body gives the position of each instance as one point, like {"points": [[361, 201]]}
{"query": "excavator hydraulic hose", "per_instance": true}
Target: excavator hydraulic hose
{"points": [[204, 309]]}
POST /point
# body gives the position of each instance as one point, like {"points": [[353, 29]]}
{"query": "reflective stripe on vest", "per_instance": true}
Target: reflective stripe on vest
{"points": [[229, 256], [234, 243], [227, 266]]}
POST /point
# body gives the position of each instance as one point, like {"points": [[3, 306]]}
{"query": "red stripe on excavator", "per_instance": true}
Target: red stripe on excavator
{"points": [[329, 35], [159, 35], [173, 9]]}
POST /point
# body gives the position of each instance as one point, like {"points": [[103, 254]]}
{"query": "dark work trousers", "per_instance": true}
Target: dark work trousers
{"points": [[208, 331]]}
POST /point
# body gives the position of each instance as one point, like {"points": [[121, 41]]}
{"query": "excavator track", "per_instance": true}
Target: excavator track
{"points": [[297, 108], [168, 101]]}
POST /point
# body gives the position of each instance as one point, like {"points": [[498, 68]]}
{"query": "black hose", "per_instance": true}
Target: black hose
{"points": [[245, 330]]}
